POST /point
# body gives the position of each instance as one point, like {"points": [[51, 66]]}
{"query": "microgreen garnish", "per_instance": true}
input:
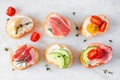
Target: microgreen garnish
{"points": [[110, 41], [13, 69], [106, 71], [77, 27], [6, 49], [8, 19], [47, 68], [74, 13], [84, 40], [50, 30]]}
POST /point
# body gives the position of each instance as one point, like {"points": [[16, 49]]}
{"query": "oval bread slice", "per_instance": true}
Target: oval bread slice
{"points": [[19, 25]]}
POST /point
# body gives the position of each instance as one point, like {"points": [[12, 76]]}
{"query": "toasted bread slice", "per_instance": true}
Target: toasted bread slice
{"points": [[63, 47], [47, 25], [107, 57], [19, 25], [21, 66], [87, 21]]}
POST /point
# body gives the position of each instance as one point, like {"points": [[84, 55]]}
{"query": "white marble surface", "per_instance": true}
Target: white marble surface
{"points": [[38, 9]]}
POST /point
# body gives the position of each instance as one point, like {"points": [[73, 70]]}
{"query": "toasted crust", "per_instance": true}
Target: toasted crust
{"points": [[37, 58], [84, 33], [46, 24], [62, 46], [16, 36]]}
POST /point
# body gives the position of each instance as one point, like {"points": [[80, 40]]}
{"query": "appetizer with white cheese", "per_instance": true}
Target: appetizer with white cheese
{"points": [[59, 55], [95, 54], [19, 25], [94, 25], [56, 25], [24, 57]]}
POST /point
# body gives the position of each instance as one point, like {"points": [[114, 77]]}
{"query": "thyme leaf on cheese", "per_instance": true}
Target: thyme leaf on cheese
{"points": [[20, 26]]}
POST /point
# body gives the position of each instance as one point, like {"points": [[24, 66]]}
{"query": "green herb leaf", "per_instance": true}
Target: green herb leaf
{"points": [[48, 68], [85, 40], [106, 71], [74, 13], [50, 30], [8, 19], [6, 49], [16, 31], [110, 41], [77, 35], [77, 28], [13, 69], [58, 23]]}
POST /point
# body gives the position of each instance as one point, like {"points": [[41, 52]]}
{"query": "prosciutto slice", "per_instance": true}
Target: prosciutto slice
{"points": [[59, 25], [108, 53]]}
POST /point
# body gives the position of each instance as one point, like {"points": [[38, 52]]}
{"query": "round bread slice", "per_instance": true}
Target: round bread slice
{"points": [[108, 51], [19, 25], [22, 64], [47, 27], [87, 21], [55, 47]]}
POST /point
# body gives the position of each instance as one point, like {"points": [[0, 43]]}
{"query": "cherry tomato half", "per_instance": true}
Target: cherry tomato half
{"points": [[35, 36], [96, 20], [102, 28], [95, 54], [11, 11], [92, 54]]}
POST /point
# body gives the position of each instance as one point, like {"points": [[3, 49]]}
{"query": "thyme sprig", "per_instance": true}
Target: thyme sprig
{"points": [[106, 71], [77, 27], [20, 26], [20, 62]]}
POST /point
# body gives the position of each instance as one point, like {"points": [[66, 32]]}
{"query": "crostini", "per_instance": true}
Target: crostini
{"points": [[95, 54], [94, 25], [59, 55], [56, 25], [24, 57], [19, 25]]}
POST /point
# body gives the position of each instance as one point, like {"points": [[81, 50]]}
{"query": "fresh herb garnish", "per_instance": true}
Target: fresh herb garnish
{"points": [[13, 69], [47, 68], [106, 71], [50, 30], [27, 23], [58, 23], [6, 49], [74, 13], [77, 35], [20, 26], [8, 19], [20, 62], [110, 41], [16, 31], [77, 27], [85, 40]]}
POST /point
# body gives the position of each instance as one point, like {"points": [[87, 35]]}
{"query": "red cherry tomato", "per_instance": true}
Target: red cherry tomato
{"points": [[100, 53], [95, 54], [103, 26], [35, 36], [11, 11], [92, 54], [96, 20]]}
